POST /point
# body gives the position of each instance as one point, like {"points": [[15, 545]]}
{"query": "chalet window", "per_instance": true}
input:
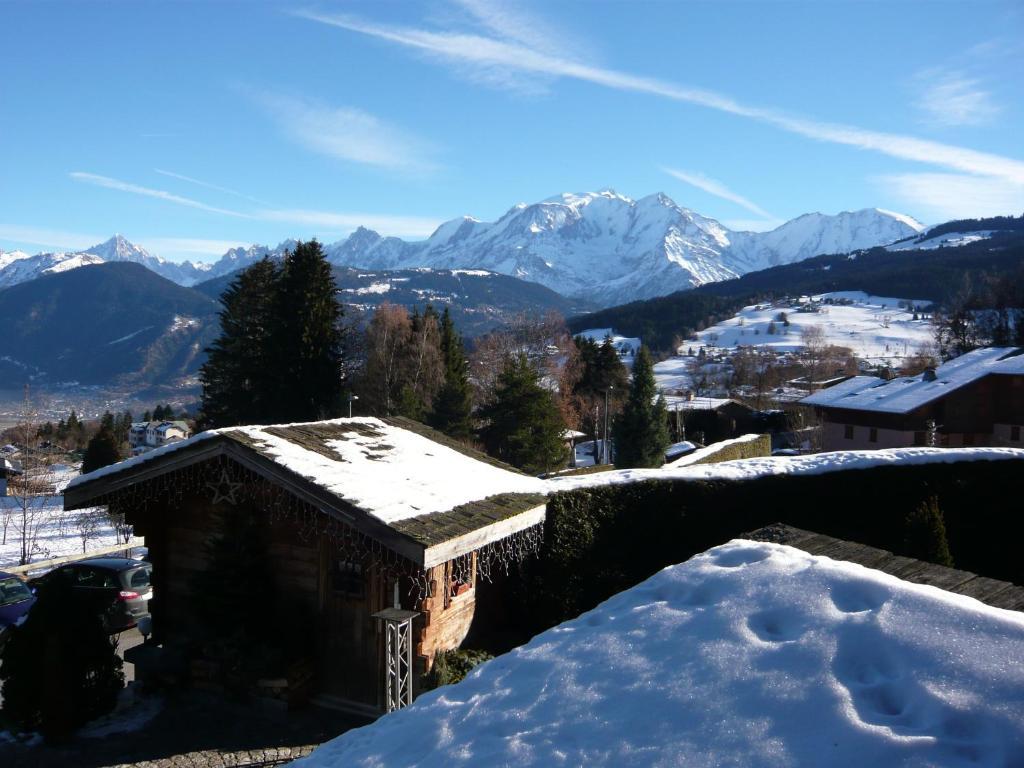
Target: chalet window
{"points": [[1015, 433], [848, 431], [347, 579], [872, 435], [919, 438]]}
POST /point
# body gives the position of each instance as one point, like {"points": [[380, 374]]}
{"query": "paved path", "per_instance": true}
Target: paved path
{"points": [[194, 730]]}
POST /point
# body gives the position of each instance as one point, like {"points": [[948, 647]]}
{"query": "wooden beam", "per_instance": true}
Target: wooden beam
{"points": [[461, 545]]}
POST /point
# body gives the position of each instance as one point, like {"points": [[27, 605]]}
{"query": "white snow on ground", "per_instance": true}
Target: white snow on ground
{"points": [[626, 345], [814, 464], [751, 654], [948, 240], [371, 288], [131, 713], [182, 322], [58, 531], [710, 450], [874, 328], [472, 272], [392, 475], [129, 336]]}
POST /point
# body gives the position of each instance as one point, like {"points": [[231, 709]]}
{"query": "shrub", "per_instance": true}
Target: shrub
{"points": [[453, 666], [925, 534], [60, 668]]}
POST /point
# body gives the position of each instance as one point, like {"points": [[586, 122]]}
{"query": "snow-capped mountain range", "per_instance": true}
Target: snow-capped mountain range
{"points": [[599, 245]]}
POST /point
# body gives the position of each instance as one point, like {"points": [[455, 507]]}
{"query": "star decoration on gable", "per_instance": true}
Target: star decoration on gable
{"points": [[224, 488]]}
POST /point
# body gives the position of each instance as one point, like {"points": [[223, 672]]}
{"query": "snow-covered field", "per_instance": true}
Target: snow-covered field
{"points": [[875, 328], [58, 532], [751, 654]]}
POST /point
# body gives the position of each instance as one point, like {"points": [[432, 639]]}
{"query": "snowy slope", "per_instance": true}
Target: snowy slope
{"points": [[751, 654], [18, 267], [613, 249], [814, 234], [601, 246], [875, 328]]}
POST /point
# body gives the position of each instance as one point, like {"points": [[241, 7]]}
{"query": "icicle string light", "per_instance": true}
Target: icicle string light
{"points": [[225, 481]]}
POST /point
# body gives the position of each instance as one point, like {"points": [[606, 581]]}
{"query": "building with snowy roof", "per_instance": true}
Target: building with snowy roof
{"points": [[975, 399], [366, 522]]}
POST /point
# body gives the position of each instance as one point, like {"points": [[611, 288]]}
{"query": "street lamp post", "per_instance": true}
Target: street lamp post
{"points": [[606, 450], [351, 397]]}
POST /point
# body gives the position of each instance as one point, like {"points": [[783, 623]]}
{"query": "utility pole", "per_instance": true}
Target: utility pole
{"points": [[607, 454]]}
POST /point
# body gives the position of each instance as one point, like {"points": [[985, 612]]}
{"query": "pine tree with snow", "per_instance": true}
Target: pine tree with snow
{"points": [[522, 424], [237, 377], [453, 406], [641, 429], [307, 339]]}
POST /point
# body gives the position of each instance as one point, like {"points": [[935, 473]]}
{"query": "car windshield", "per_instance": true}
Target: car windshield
{"points": [[13, 590]]}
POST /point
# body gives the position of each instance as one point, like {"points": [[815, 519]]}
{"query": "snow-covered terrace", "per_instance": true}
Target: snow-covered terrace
{"points": [[907, 393], [750, 654]]}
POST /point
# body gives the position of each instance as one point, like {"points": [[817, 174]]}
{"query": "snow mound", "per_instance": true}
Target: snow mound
{"points": [[751, 654]]}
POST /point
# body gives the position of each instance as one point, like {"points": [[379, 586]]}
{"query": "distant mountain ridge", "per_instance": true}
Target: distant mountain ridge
{"points": [[600, 246]]}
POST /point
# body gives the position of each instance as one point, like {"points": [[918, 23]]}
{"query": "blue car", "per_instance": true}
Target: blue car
{"points": [[15, 600]]}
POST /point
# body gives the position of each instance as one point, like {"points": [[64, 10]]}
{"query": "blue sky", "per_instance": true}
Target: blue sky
{"points": [[193, 127]]}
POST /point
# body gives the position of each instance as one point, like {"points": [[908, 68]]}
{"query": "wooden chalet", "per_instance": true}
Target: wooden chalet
{"points": [[358, 513], [974, 399]]}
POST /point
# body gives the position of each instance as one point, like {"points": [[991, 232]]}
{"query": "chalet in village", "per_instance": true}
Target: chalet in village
{"points": [[377, 530], [974, 399]]}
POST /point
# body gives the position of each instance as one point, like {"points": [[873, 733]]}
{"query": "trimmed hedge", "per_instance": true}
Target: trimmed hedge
{"points": [[599, 541], [744, 447]]}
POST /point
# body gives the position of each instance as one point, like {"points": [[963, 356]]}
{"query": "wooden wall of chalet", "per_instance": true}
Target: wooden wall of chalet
{"points": [[345, 642], [972, 409]]}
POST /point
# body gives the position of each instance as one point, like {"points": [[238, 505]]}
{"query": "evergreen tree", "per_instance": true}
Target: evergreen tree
{"points": [[453, 406], [641, 430], [101, 451], [237, 376], [522, 424], [306, 339], [60, 668], [924, 534]]}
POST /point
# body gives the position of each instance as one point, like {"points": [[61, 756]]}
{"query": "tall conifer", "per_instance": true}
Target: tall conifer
{"points": [[641, 430], [453, 405], [522, 424], [237, 375]]}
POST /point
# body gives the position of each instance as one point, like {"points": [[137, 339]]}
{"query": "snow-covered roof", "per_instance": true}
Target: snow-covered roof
{"points": [[907, 393], [392, 470], [749, 654], [681, 403], [812, 464]]}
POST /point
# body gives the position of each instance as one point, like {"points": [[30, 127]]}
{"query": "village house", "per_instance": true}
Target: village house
{"points": [[975, 399], [376, 529], [146, 435], [8, 468], [709, 419]]}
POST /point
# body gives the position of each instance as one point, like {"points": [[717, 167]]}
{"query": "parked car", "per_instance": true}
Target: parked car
{"points": [[15, 600], [118, 587]]}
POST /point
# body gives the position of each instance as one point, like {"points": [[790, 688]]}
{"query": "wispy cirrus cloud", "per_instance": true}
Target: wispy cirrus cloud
{"points": [[944, 196], [346, 133], [208, 185], [951, 97], [718, 189], [335, 221], [160, 194], [47, 238], [507, 52], [386, 224]]}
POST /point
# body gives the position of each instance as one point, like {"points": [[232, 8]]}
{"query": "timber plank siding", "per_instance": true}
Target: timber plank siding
{"points": [[998, 594]]}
